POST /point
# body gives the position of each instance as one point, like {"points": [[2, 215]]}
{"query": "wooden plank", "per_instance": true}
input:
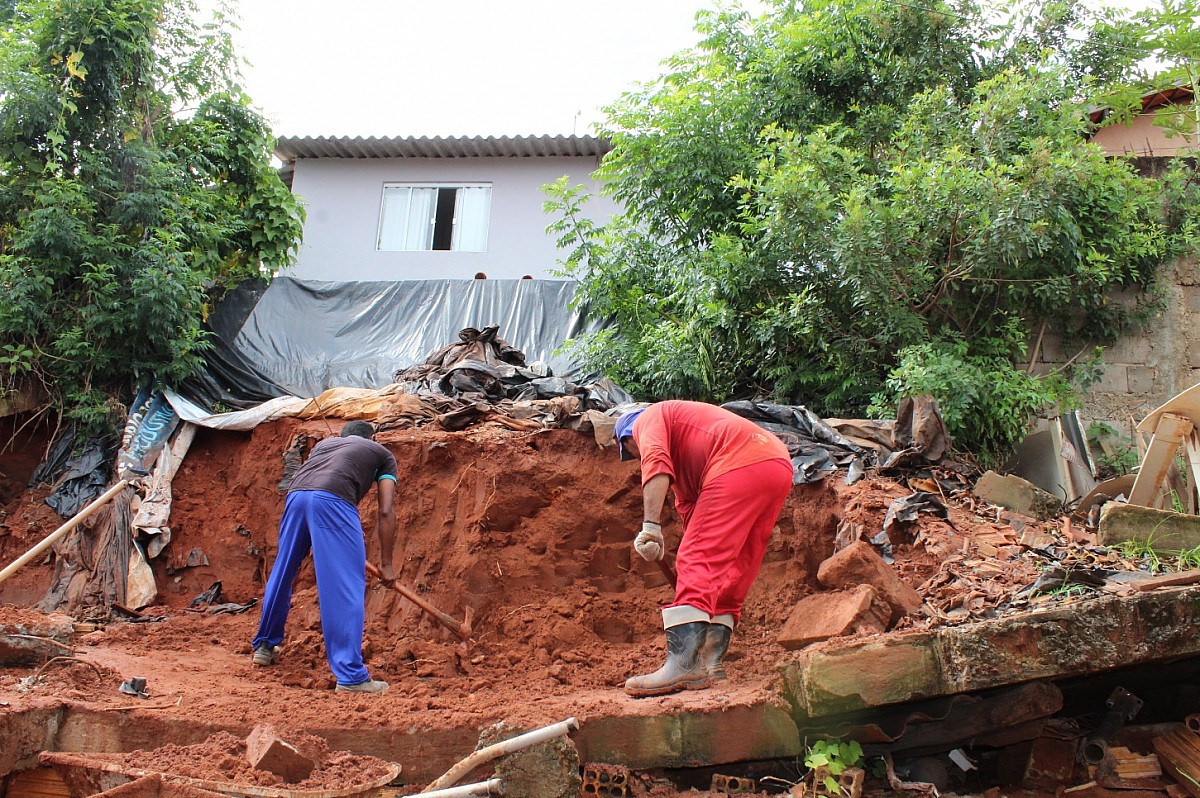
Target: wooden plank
{"points": [[1186, 404], [1168, 580], [1164, 444], [1192, 447], [41, 782]]}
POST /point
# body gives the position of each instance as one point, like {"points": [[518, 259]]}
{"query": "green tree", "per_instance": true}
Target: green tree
{"points": [[136, 184], [823, 199]]}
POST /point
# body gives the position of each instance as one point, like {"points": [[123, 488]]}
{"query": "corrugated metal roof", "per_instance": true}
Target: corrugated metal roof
{"points": [[290, 149]]}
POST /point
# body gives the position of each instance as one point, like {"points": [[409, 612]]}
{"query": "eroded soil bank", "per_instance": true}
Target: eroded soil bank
{"points": [[531, 531]]}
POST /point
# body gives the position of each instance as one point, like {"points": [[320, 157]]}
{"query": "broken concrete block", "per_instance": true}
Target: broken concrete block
{"points": [[1018, 495], [605, 781], [859, 564], [1160, 529], [546, 770], [266, 751], [34, 642], [840, 613]]}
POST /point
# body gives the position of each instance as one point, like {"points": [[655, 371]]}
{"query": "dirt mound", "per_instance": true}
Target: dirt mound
{"points": [[530, 531]]}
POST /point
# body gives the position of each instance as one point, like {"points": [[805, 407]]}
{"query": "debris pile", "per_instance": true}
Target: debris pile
{"points": [[482, 377]]}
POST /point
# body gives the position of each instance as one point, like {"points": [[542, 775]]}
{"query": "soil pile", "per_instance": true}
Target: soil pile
{"points": [[222, 759], [531, 531]]}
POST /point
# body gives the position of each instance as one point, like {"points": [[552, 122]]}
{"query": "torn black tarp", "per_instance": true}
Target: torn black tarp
{"points": [[300, 338], [817, 449], [483, 378], [85, 477]]}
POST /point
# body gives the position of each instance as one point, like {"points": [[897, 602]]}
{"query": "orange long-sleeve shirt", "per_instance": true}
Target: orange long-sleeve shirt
{"points": [[694, 442]]}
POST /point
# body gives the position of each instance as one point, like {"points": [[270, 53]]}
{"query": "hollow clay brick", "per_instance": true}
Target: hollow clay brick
{"points": [[266, 751]]}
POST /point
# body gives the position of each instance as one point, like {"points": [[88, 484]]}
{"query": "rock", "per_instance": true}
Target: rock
{"points": [[860, 564], [1159, 529], [545, 770], [836, 614], [32, 643], [1018, 495], [266, 751]]}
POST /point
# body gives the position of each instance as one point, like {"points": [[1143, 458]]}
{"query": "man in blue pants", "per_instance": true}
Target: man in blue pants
{"points": [[321, 514]]}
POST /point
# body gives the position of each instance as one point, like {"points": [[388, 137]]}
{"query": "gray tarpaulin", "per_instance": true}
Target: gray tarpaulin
{"points": [[301, 337]]}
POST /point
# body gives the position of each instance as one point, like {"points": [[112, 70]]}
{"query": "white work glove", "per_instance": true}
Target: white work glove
{"points": [[649, 542]]}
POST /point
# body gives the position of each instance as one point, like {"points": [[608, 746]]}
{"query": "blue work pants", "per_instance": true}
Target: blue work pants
{"points": [[330, 527]]}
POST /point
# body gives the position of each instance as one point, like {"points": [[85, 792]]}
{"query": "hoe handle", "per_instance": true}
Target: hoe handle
{"points": [[49, 540], [446, 620]]}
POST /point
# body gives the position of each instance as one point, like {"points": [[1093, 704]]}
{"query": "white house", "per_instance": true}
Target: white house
{"points": [[383, 209]]}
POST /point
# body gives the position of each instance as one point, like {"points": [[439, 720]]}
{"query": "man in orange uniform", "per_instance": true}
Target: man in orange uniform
{"points": [[730, 479]]}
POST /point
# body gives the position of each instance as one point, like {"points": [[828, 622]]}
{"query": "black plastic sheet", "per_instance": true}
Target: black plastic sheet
{"points": [[300, 338], [817, 449], [84, 478]]}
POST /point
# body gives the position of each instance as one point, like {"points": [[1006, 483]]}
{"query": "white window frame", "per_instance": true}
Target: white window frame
{"points": [[401, 230]]}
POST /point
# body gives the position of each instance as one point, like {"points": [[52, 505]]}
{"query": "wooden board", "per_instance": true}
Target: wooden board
{"points": [[1169, 433], [1186, 404], [43, 782]]}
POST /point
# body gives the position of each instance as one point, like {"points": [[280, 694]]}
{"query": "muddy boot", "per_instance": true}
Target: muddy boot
{"points": [[716, 643], [683, 669]]}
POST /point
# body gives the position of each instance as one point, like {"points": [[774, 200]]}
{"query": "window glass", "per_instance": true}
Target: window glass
{"points": [[471, 226], [415, 218]]}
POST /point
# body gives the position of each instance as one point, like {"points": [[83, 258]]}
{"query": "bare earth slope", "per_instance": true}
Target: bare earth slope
{"points": [[530, 530]]}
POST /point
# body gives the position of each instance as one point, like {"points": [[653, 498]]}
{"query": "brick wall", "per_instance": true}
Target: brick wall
{"points": [[1145, 369]]}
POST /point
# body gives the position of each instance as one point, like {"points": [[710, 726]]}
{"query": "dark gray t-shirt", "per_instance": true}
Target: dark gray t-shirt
{"points": [[346, 467]]}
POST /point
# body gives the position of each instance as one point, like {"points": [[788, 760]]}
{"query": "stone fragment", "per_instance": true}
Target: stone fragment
{"points": [[836, 614], [34, 642], [266, 751], [860, 564], [545, 770], [1159, 529], [1018, 495]]}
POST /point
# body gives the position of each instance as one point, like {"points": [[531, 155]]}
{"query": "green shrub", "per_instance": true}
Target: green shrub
{"points": [[987, 403]]}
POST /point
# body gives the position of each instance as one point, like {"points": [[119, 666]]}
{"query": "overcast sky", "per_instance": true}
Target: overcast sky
{"points": [[452, 67], [455, 67]]}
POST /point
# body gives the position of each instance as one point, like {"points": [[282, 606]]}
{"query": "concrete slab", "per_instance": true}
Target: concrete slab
{"points": [[1080, 638], [1017, 494], [1160, 529]]}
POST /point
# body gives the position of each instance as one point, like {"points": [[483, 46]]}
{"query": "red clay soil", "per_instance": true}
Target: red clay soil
{"points": [[530, 530], [222, 759]]}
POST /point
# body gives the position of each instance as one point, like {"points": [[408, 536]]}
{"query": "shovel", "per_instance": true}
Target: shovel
{"points": [[463, 630]]}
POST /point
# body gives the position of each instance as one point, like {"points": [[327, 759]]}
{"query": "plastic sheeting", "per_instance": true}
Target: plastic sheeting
{"points": [[300, 338]]}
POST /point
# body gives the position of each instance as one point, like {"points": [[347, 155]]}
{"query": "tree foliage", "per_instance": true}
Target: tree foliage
{"points": [[135, 185], [825, 200]]}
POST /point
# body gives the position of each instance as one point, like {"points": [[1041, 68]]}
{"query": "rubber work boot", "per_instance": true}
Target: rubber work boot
{"points": [[682, 670], [369, 686], [266, 655], [716, 643]]}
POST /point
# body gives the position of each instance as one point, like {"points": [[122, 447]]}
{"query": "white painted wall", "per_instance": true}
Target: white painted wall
{"points": [[343, 196]]}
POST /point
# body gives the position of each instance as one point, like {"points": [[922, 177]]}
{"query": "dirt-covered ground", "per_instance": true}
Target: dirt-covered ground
{"points": [[530, 531]]}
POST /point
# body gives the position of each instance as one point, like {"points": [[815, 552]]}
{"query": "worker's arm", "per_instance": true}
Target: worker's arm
{"points": [[385, 527], [654, 496]]}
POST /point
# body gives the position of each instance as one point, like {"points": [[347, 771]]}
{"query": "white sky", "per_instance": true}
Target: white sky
{"points": [[456, 67], [452, 67]]}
